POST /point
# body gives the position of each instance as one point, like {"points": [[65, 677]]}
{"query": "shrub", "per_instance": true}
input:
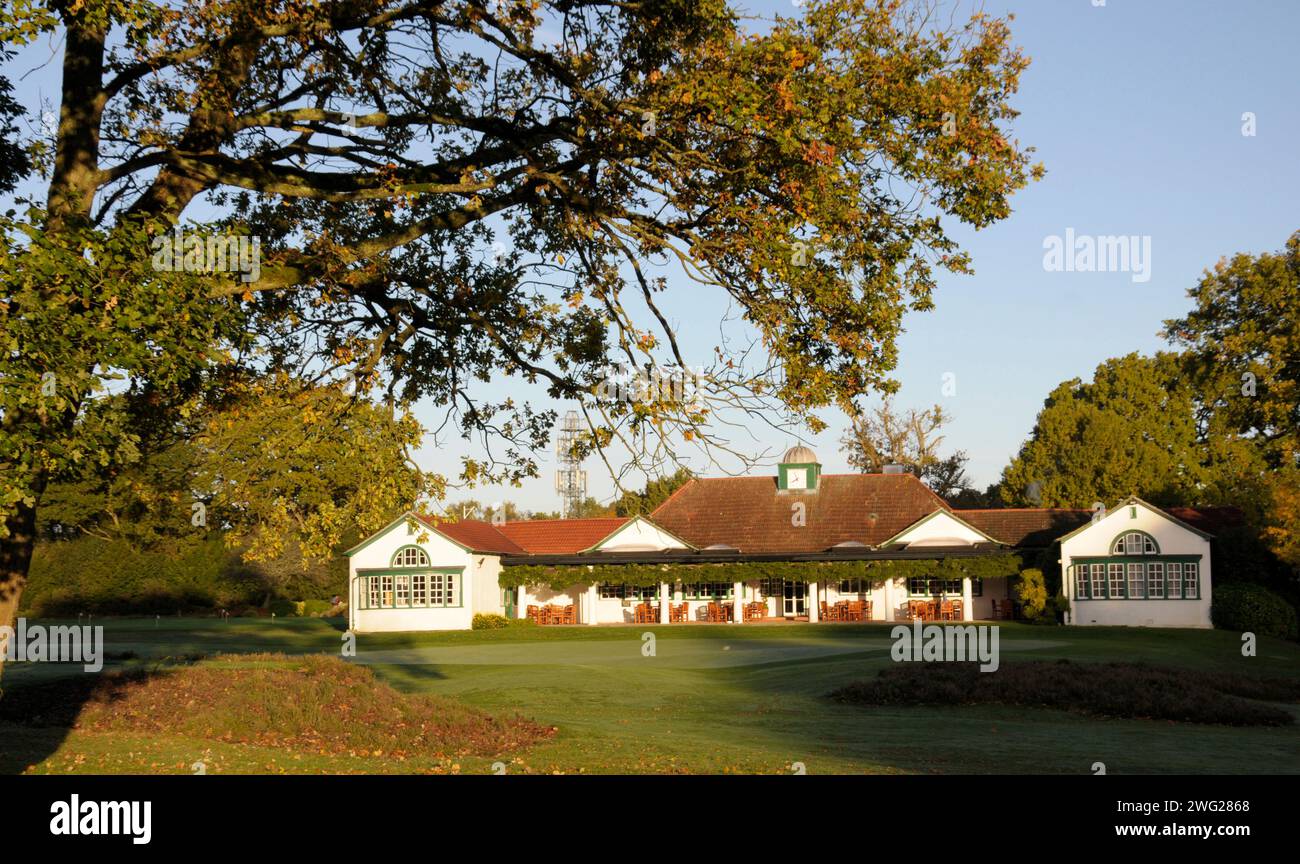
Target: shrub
{"points": [[1245, 607], [489, 621], [1121, 690], [316, 608], [1031, 593]]}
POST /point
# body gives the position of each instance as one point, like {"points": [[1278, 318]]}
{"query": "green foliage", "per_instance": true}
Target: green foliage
{"points": [[198, 574], [641, 575], [657, 490], [1253, 609], [290, 465], [1132, 430], [1099, 689], [1029, 588], [489, 621], [1241, 340]]}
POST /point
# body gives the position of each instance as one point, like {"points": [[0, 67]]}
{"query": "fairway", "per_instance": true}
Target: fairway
{"points": [[694, 699]]}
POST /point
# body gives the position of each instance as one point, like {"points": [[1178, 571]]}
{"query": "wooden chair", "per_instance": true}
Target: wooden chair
{"points": [[678, 613], [827, 614], [945, 610], [533, 614], [570, 614], [866, 610], [958, 610]]}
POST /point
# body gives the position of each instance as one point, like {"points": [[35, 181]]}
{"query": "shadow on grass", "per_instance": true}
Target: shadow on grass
{"points": [[46, 711]]}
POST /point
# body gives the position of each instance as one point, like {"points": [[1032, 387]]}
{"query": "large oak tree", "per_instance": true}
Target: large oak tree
{"points": [[451, 191]]}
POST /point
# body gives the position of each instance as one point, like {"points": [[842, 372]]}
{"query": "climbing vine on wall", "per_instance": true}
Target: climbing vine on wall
{"points": [[561, 577]]}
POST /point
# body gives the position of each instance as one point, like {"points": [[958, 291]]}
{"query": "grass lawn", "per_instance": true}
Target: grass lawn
{"points": [[712, 698]]}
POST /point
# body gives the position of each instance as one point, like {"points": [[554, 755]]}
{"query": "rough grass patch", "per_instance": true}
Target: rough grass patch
{"points": [[1117, 690], [310, 703]]}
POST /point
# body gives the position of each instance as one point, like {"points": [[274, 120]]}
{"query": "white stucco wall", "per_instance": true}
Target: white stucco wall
{"points": [[377, 554], [640, 534], [1171, 537], [940, 530]]}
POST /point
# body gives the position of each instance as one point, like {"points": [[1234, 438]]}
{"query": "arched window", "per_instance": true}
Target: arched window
{"points": [[410, 556], [1134, 543]]}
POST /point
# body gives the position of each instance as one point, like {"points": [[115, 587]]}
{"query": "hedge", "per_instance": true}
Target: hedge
{"points": [[1246, 607], [561, 577]]}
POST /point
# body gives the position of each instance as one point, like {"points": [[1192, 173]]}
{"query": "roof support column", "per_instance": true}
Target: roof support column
{"points": [[738, 599], [967, 613], [891, 610], [814, 603], [589, 604], [665, 599]]}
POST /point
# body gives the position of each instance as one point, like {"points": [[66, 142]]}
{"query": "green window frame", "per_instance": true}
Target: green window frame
{"points": [[1156, 580], [1144, 577], [426, 588], [709, 591], [1115, 582], [1137, 581], [1174, 580]]}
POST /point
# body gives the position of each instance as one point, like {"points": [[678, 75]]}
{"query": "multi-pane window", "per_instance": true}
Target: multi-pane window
{"points": [[1116, 573], [635, 592], [1174, 584], [854, 586], [410, 556], [933, 587], [709, 591], [409, 590], [1137, 581], [1081, 581], [1098, 581], [1156, 580], [1134, 543], [1191, 581], [773, 588]]}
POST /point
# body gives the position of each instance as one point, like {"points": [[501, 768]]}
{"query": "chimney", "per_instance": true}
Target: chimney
{"points": [[893, 469]]}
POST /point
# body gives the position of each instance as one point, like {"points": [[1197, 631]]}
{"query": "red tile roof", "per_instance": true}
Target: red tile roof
{"points": [[750, 514], [560, 536], [478, 535], [1033, 526], [1211, 520]]}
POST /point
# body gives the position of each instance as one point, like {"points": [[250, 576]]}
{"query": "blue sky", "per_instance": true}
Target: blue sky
{"points": [[1135, 108]]}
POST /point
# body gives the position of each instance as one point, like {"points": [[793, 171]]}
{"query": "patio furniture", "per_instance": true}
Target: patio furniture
{"points": [[755, 611], [645, 613], [678, 613], [866, 610], [532, 614], [854, 611], [958, 610], [945, 610], [828, 612]]}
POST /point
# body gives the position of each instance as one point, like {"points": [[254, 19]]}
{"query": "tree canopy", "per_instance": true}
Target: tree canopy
{"points": [[444, 193]]}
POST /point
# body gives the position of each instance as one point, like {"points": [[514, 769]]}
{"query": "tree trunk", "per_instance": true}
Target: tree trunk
{"points": [[15, 559]]}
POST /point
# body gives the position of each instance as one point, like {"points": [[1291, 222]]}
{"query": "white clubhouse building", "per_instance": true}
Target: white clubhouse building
{"points": [[1134, 565]]}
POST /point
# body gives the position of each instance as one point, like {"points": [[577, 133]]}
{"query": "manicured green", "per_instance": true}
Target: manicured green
{"points": [[712, 698]]}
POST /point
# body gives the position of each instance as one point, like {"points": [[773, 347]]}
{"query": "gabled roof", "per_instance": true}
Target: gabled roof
{"points": [[1036, 527], [560, 536], [626, 523], [476, 535], [1133, 499], [750, 514], [950, 514]]}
